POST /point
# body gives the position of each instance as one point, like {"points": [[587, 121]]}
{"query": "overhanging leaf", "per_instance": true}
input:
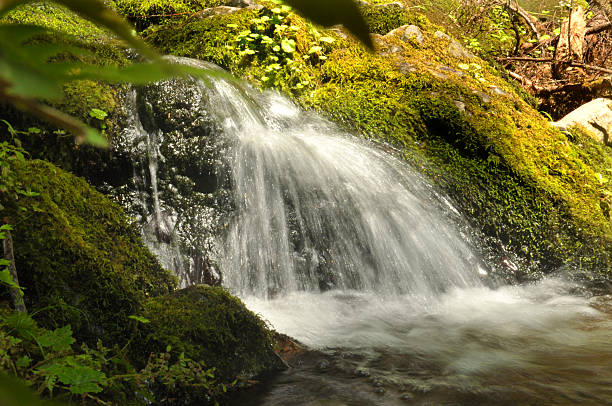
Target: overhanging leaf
{"points": [[96, 11], [330, 12]]}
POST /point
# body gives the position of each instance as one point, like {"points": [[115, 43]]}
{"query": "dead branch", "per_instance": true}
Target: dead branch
{"points": [[530, 21], [592, 67], [524, 59]]}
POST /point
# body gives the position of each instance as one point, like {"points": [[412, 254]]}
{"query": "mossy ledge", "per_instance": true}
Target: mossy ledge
{"points": [[542, 195], [77, 256], [208, 323]]}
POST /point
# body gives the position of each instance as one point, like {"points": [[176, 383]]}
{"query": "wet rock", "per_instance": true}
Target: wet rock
{"points": [[244, 4], [454, 47], [380, 391], [483, 96], [595, 116], [323, 364], [363, 373], [216, 11], [407, 397]]}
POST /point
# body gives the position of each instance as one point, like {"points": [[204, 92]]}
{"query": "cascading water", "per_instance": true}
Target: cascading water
{"points": [[342, 246], [316, 210]]}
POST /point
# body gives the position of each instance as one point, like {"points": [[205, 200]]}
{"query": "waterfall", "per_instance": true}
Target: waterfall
{"points": [[308, 207], [338, 243], [319, 209]]}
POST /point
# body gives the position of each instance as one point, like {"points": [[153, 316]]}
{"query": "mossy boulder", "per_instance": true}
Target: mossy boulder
{"points": [[208, 324], [79, 259], [536, 193]]}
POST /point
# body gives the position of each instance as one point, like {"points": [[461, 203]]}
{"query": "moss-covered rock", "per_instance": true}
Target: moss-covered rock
{"points": [[208, 324], [542, 194], [79, 260], [144, 13], [382, 18]]}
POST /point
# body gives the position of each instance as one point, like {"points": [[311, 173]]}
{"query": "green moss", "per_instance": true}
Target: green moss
{"points": [[541, 193], [79, 260], [208, 324], [205, 39], [55, 17], [382, 18], [144, 13]]}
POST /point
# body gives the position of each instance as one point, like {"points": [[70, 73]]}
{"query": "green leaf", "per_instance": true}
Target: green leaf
{"points": [[288, 45], [59, 339], [7, 278], [97, 113], [139, 319], [23, 361], [71, 372], [21, 323], [331, 12]]}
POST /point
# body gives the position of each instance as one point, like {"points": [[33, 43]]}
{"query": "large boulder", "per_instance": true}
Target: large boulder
{"points": [[536, 194], [208, 324], [594, 116], [78, 258]]}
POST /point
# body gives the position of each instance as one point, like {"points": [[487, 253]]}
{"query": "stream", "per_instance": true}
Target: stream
{"points": [[337, 243]]}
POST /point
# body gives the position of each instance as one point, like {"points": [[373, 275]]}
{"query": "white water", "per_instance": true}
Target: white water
{"points": [[317, 209], [350, 251]]}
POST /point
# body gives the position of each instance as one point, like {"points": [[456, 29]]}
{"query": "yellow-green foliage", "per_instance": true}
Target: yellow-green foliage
{"points": [[78, 257], [145, 12], [382, 18], [58, 18], [536, 189], [209, 324]]}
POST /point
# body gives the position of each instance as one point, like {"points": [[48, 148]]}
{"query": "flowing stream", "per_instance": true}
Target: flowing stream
{"points": [[340, 245]]}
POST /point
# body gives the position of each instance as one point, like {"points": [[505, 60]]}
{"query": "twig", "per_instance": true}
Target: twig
{"points": [[592, 67], [524, 58], [599, 28], [529, 20], [521, 78], [16, 294]]}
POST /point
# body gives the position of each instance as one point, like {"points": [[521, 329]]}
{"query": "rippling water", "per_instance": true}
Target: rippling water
{"points": [[528, 345]]}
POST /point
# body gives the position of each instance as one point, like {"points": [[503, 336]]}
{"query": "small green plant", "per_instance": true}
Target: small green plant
{"points": [[474, 69], [52, 364], [272, 41]]}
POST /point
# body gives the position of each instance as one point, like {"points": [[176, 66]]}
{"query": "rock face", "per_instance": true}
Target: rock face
{"points": [[595, 117], [454, 47], [175, 192]]}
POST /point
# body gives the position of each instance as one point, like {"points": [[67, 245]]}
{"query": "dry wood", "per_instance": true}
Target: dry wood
{"points": [[571, 39]]}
